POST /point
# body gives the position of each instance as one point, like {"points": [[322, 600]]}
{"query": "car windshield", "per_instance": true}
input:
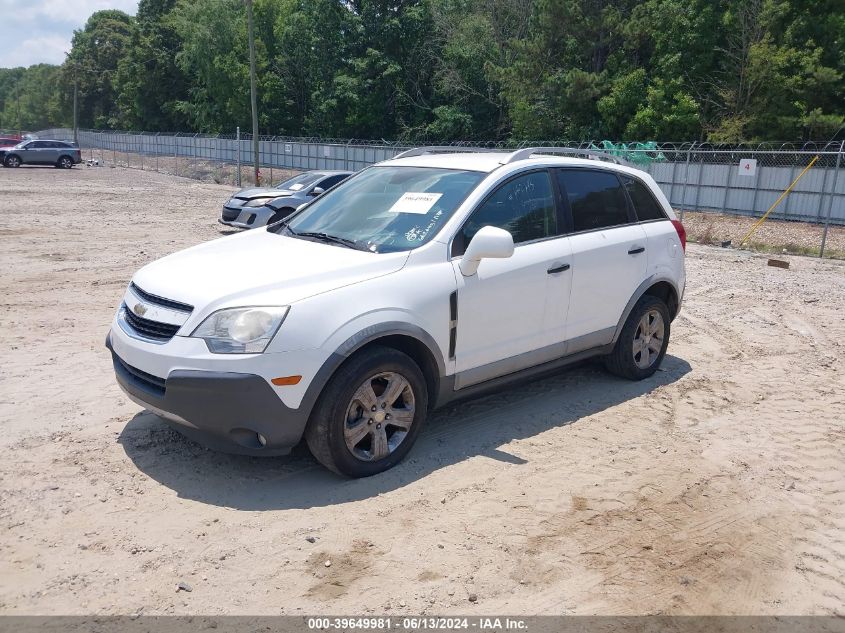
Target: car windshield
{"points": [[387, 209], [21, 144], [299, 182]]}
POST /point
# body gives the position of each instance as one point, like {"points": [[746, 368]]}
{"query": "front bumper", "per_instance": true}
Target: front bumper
{"points": [[226, 411], [246, 217]]}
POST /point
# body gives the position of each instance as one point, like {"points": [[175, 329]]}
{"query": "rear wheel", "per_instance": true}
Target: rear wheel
{"points": [[12, 161], [369, 414], [65, 162], [643, 341]]}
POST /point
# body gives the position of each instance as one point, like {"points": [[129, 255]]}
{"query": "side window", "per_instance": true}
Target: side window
{"points": [[331, 181], [646, 207], [523, 206], [596, 198]]}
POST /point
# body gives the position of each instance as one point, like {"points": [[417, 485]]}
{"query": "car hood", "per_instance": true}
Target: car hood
{"points": [[263, 192], [259, 267]]}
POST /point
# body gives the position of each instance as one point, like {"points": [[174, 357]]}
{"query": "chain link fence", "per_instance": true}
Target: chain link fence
{"points": [[742, 181]]}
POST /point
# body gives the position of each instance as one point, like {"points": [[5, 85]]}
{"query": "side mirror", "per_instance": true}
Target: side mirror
{"points": [[488, 242], [317, 191]]}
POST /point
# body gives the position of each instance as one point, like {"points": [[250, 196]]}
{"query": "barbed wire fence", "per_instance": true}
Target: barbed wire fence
{"points": [[731, 180]]}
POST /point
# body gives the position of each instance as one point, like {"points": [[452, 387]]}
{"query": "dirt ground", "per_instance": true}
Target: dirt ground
{"points": [[718, 486], [773, 236]]}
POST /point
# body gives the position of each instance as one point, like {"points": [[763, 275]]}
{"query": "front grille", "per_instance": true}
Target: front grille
{"points": [[142, 379], [160, 301], [150, 329], [230, 214]]}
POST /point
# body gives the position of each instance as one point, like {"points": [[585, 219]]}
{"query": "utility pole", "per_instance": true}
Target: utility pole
{"points": [[18, 104], [252, 89], [75, 109]]}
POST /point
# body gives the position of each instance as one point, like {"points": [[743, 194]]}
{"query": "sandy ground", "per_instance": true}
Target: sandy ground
{"points": [[715, 487]]}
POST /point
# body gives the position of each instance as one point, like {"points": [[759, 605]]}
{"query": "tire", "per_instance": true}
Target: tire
{"points": [[646, 331], [64, 162], [12, 161], [281, 214], [353, 449]]}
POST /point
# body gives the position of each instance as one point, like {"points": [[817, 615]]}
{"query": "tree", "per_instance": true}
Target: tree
{"points": [[149, 83], [29, 98], [438, 70], [96, 51], [213, 53]]}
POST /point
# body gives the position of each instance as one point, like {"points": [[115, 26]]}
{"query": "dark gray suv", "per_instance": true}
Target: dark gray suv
{"points": [[41, 152]]}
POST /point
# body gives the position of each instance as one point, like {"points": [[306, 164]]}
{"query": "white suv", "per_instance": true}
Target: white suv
{"points": [[433, 276]]}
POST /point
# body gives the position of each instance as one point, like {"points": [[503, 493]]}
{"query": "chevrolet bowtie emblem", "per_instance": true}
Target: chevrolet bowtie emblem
{"points": [[140, 309]]}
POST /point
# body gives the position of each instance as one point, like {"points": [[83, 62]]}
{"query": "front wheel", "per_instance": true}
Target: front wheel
{"points": [[642, 344], [369, 414], [12, 161]]}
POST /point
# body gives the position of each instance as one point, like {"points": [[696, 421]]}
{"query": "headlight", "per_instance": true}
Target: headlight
{"points": [[240, 330], [257, 202]]}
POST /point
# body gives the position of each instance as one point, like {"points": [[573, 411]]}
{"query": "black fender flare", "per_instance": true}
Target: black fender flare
{"points": [[638, 293], [358, 341]]}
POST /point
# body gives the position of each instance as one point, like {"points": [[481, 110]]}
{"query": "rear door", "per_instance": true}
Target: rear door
{"points": [[609, 258], [52, 151]]}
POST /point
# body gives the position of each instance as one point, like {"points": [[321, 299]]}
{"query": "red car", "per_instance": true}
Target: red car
{"points": [[6, 143]]}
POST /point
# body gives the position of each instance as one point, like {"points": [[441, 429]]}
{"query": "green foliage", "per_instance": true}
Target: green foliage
{"points": [[29, 99], [96, 51], [630, 70], [151, 84]]}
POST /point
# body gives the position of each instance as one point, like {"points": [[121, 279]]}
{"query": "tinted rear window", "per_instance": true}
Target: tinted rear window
{"points": [[596, 198], [645, 204]]}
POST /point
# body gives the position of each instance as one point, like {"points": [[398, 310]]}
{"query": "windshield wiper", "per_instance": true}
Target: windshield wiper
{"points": [[334, 239]]}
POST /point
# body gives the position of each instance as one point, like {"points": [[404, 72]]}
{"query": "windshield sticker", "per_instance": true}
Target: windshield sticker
{"points": [[415, 202], [296, 187]]}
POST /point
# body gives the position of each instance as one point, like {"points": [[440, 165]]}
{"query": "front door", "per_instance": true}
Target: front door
{"points": [[29, 153], [512, 311]]}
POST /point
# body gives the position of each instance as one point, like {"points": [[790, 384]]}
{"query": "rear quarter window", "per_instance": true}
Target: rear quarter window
{"points": [[646, 205]]}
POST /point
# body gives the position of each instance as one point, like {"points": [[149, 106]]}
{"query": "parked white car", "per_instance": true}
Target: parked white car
{"points": [[436, 275]]}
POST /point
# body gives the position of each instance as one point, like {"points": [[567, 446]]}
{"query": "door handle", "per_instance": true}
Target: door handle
{"points": [[636, 250], [558, 269]]}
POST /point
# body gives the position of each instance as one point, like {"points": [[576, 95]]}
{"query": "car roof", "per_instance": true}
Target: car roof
{"points": [[48, 140], [489, 161]]}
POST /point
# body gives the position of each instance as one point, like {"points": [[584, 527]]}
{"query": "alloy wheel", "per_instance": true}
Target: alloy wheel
{"points": [[648, 339], [379, 416]]}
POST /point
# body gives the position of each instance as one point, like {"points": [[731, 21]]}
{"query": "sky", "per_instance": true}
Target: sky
{"points": [[39, 31]]}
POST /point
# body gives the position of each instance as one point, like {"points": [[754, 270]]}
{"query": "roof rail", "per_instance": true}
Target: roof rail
{"points": [[528, 152], [443, 149]]}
